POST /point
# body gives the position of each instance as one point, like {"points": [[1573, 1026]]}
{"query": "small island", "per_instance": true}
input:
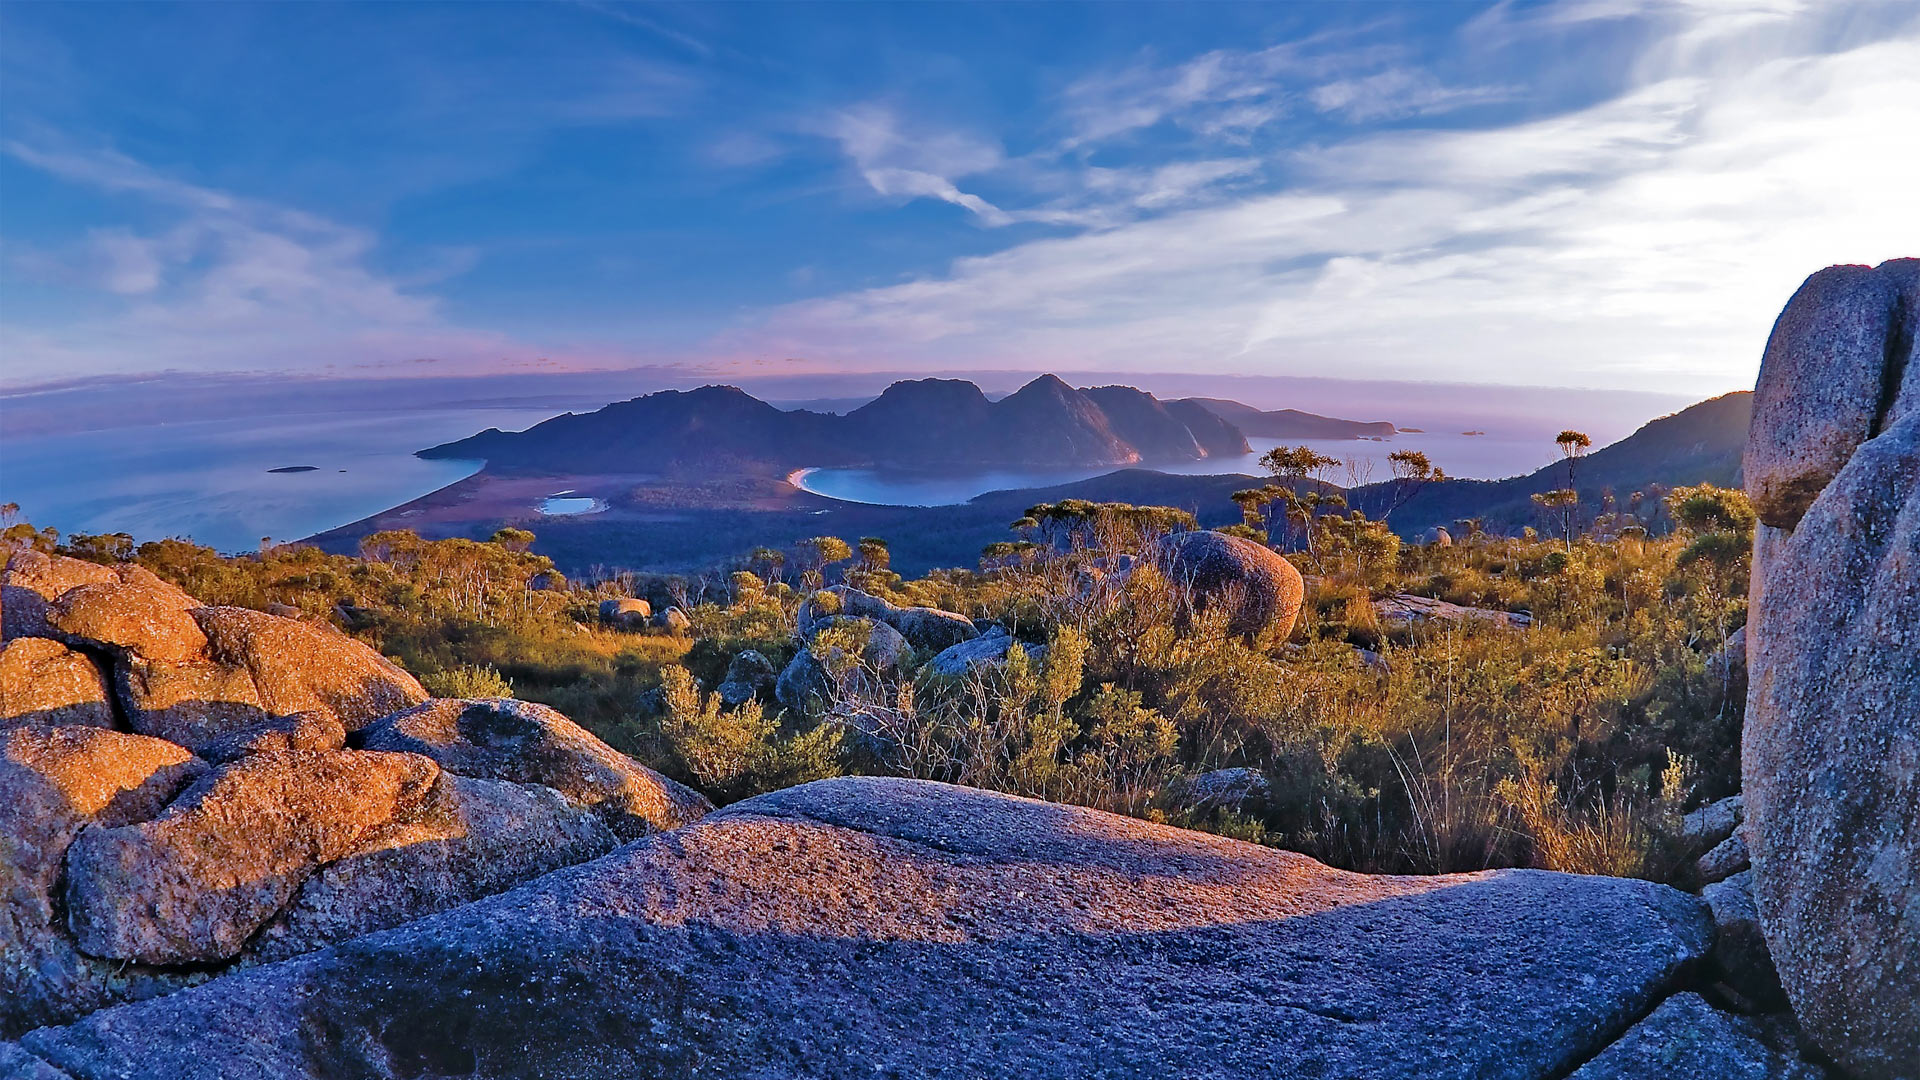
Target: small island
{"points": [[295, 468]]}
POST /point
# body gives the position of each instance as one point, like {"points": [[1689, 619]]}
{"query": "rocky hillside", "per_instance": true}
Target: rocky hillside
{"points": [[915, 424], [1700, 444]]}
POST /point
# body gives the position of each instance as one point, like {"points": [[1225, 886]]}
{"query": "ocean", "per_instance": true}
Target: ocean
{"points": [[209, 480]]}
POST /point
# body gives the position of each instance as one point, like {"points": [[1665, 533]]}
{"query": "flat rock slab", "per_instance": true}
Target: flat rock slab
{"points": [[1688, 1039], [868, 927]]}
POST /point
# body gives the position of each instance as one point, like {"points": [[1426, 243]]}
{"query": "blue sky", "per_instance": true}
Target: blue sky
{"points": [[1604, 193]]}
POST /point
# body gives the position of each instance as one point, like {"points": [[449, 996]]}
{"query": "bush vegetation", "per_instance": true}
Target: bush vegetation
{"points": [[1573, 742]]}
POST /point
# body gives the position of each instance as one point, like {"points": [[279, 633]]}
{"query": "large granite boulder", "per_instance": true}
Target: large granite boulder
{"points": [[1261, 589], [190, 702], [873, 927], [1837, 371], [925, 628], [1688, 1039], [32, 581], [195, 883], [671, 621], [473, 838], [55, 782], [1831, 757], [504, 739], [300, 666], [803, 685], [43, 682], [152, 621]]}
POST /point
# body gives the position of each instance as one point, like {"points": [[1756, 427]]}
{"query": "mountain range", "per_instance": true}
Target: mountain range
{"points": [[918, 423]]}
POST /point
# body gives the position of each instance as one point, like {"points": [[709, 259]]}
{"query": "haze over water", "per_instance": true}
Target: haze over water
{"points": [[1477, 457]]}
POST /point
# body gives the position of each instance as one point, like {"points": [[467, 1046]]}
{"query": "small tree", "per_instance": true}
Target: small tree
{"points": [[820, 552], [1412, 470], [515, 540]]}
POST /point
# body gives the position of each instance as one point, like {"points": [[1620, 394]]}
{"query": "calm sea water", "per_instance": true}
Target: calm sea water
{"points": [[208, 480], [1472, 457]]}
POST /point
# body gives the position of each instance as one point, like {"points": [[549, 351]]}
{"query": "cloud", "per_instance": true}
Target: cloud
{"points": [[230, 283], [1651, 237]]}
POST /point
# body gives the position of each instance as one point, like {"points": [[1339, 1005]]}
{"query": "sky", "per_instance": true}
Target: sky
{"points": [[1613, 194]]}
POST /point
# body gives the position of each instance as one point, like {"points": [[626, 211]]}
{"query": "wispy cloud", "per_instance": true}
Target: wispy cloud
{"points": [[1398, 92]]}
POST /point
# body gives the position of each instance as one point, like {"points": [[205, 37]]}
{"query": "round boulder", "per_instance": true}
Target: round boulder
{"points": [[625, 612], [1263, 591]]}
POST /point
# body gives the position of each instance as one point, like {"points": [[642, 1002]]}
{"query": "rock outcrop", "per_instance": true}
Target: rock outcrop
{"points": [[504, 739], [1831, 747], [1262, 590], [130, 868], [871, 927], [32, 581], [180, 671]]}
